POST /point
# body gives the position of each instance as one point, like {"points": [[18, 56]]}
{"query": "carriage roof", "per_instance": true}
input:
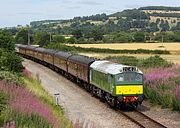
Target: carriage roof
{"points": [[63, 54], [49, 51], [30, 47], [82, 59]]}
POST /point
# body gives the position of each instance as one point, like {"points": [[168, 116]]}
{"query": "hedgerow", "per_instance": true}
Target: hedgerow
{"points": [[74, 49]]}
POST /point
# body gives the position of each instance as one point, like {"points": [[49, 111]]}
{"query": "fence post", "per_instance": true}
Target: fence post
{"points": [[57, 98]]}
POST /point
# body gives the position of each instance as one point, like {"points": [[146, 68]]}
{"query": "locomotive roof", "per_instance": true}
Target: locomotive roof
{"points": [[108, 67], [63, 54], [82, 59]]}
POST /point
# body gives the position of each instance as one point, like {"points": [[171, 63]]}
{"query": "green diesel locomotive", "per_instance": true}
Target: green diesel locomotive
{"points": [[119, 84]]}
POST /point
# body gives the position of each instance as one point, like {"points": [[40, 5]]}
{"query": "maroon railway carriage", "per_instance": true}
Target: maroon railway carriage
{"points": [[60, 60], [30, 51], [21, 49], [49, 56], [78, 66], [39, 54]]}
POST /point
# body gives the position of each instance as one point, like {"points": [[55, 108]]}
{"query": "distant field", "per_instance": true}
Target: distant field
{"points": [[170, 58], [174, 48]]}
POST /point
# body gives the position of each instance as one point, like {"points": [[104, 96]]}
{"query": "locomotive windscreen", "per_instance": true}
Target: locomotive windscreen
{"points": [[128, 77]]}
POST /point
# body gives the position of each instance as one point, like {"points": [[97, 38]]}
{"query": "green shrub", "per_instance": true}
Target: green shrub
{"points": [[10, 77], [165, 100], [23, 120], [3, 102], [175, 105], [126, 60], [59, 39], [9, 61], [6, 41], [151, 62], [155, 61]]}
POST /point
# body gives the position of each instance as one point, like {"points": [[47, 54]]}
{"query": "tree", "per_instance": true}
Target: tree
{"points": [[153, 27], [71, 40], [122, 37], [139, 37], [77, 33], [124, 24], [164, 25], [22, 37], [42, 38], [11, 31], [97, 34], [177, 27], [59, 39], [9, 61], [6, 41], [167, 37]]}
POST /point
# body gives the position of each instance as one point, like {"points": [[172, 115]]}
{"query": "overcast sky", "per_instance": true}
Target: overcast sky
{"points": [[22, 12]]}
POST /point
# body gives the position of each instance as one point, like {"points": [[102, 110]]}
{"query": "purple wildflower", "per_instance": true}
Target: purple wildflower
{"points": [[24, 101]]}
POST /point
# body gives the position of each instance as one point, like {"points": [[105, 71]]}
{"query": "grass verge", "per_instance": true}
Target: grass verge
{"points": [[35, 87], [28, 104]]}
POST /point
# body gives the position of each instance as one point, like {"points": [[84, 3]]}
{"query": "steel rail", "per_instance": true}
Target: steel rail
{"points": [[141, 119]]}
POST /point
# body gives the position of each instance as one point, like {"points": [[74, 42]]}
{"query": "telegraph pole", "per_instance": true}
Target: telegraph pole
{"points": [[150, 39], [29, 40], [50, 36]]}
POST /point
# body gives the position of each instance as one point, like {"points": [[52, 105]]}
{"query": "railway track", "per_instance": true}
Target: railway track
{"points": [[141, 119]]}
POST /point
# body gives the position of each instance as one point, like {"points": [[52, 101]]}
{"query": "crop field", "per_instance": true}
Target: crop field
{"points": [[174, 48], [171, 58]]}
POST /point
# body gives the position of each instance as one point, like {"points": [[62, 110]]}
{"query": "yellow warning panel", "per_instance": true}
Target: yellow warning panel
{"points": [[129, 89]]}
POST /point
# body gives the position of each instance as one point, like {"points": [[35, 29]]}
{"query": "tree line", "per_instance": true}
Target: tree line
{"points": [[9, 61], [43, 38]]}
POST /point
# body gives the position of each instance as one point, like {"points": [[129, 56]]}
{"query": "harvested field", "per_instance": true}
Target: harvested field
{"points": [[170, 58], [174, 48]]}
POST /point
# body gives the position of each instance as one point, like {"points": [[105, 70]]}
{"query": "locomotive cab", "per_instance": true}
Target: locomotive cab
{"points": [[129, 86]]}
